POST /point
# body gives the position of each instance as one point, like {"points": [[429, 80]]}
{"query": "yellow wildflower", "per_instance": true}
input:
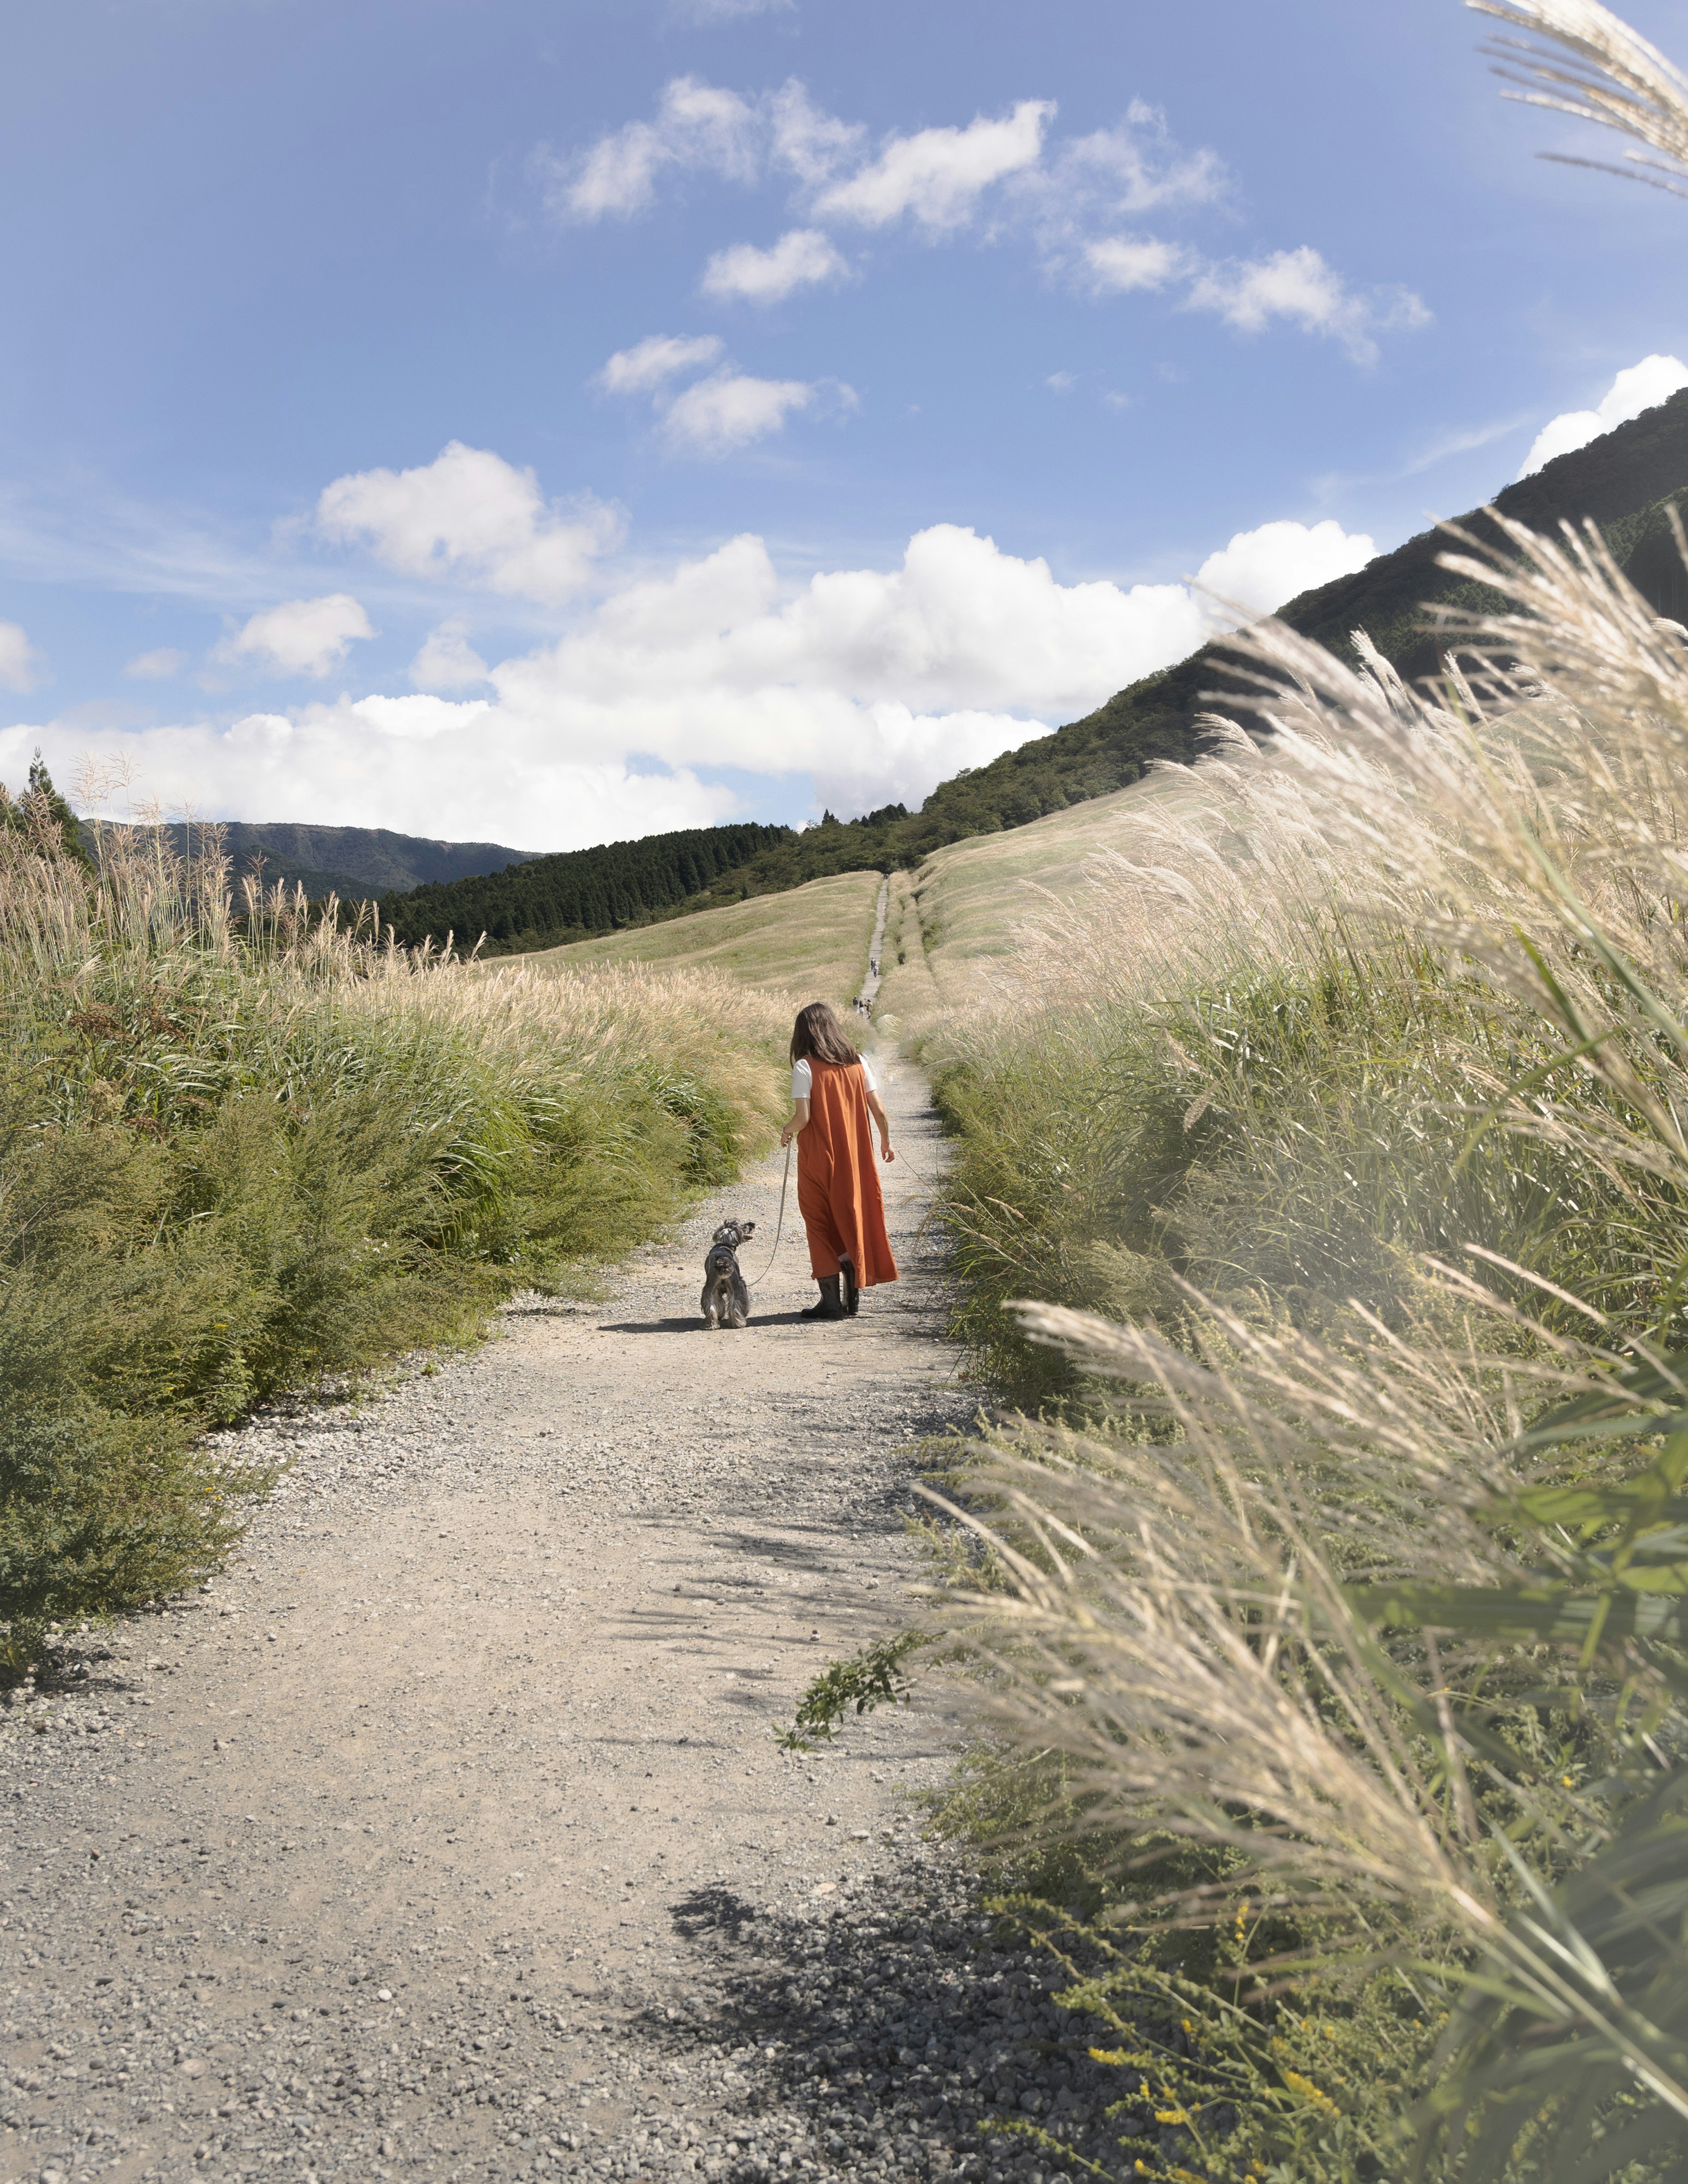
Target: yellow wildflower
{"points": [[1306, 2090]]}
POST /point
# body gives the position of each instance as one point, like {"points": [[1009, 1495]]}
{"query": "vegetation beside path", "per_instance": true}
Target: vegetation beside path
{"points": [[243, 1149], [1328, 1644]]}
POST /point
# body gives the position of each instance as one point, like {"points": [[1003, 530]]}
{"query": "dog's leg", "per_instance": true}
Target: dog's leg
{"points": [[741, 1302], [708, 1301]]}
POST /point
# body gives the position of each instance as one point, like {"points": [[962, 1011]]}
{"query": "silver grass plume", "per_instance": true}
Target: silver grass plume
{"points": [[1595, 67]]}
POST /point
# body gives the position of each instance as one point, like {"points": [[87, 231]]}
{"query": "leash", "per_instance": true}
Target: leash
{"points": [[779, 1230]]}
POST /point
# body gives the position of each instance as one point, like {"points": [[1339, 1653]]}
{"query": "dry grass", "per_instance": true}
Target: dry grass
{"points": [[1414, 935], [810, 943]]}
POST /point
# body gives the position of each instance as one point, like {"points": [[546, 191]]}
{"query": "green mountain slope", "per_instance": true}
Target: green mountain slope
{"points": [[1623, 479], [580, 893], [356, 863]]}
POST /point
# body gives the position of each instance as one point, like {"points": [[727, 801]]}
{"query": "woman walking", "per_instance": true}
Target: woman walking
{"points": [[833, 1095]]}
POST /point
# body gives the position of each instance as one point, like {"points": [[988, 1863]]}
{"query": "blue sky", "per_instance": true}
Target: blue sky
{"points": [[547, 422]]}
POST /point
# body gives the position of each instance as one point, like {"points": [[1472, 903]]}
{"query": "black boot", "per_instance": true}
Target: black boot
{"points": [[851, 1287], [829, 1306]]}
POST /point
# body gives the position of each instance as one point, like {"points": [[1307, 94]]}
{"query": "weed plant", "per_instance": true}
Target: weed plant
{"points": [[243, 1149]]}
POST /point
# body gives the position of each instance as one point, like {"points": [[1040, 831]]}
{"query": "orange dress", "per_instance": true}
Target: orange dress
{"points": [[838, 1180]]}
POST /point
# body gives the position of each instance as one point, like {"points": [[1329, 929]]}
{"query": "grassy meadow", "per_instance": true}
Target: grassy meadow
{"points": [[242, 1151], [808, 945], [953, 928]]}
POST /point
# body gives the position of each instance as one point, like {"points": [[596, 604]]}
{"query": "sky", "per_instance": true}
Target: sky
{"points": [[548, 421]]}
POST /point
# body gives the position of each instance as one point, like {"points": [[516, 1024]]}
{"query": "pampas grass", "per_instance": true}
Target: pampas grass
{"points": [[1341, 1129]]}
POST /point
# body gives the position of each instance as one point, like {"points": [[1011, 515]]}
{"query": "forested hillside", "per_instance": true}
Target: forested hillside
{"points": [[580, 893], [1624, 481]]}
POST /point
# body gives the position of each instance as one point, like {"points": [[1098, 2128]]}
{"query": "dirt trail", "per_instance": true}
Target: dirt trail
{"points": [[392, 1852], [870, 984]]}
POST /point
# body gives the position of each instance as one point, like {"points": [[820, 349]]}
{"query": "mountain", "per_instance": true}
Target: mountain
{"points": [[576, 893], [1624, 480], [356, 863]]}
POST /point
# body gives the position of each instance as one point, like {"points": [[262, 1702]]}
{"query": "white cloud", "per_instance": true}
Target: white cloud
{"points": [[1262, 570], [937, 176], [728, 11], [1120, 263], [446, 661], [300, 637], [1298, 285], [728, 410], [157, 666], [422, 765], [1136, 168], [20, 664], [659, 357], [731, 409], [875, 682], [799, 259], [472, 516], [698, 128], [1640, 387], [1006, 175], [806, 139]]}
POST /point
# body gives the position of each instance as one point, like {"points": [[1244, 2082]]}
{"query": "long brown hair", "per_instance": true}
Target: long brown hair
{"points": [[818, 1036]]}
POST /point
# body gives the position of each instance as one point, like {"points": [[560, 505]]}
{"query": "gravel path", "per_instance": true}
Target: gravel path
{"points": [[446, 1837]]}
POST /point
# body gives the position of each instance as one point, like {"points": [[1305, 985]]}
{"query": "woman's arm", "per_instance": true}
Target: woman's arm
{"points": [[876, 1107], [799, 1121]]}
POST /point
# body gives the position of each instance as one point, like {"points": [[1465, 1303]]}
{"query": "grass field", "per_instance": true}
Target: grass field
{"points": [[814, 939], [954, 926]]}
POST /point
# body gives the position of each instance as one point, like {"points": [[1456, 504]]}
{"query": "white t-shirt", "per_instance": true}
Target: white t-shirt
{"points": [[803, 1079]]}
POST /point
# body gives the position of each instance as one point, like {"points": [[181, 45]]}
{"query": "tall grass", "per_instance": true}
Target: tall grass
{"points": [[1328, 1627], [244, 1147], [1341, 1130]]}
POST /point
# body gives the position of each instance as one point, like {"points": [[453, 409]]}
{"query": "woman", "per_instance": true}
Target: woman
{"points": [[832, 1093]]}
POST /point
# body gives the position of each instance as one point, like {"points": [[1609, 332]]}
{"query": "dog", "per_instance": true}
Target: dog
{"points": [[726, 1300]]}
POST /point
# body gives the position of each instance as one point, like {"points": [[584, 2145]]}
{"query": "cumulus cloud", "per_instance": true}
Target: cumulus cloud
{"points": [[805, 140], [1640, 387], [471, 516], [728, 411], [1009, 175], [300, 637], [937, 176], [728, 11], [731, 409], [1136, 167], [1262, 570], [698, 127], [157, 666], [799, 259], [446, 661], [876, 682], [423, 764], [649, 364], [1299, 286], [20, 664], [1120, 263]]}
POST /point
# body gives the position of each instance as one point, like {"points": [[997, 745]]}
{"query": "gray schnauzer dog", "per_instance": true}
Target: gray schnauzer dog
{"points": [[726, 1300]]}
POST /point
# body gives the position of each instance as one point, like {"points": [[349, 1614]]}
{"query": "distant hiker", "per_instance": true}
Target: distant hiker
{"points": [[832, 1093]]}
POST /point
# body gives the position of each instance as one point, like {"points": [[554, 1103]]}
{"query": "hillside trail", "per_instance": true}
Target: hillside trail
{"points": [[393, 1851], [870, 984]]}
